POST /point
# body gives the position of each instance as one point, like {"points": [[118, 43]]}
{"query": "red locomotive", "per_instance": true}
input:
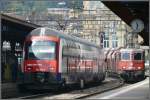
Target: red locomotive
{"points": [[132, 64], [53, 58], [129, 63]]}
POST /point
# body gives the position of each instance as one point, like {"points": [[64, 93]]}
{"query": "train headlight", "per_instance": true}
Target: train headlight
{"points": [[124, 67], [139, 67]]}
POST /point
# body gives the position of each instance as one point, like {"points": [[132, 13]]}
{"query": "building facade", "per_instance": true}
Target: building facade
{"points": [[90, 20], [104, 21]]}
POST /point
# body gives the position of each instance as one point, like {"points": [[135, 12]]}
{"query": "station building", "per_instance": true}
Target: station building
{"points": [[14, 31], [94, 22]]}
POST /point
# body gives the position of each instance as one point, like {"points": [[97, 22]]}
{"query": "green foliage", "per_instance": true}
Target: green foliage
{"points": [[26, 6], [41, 5]]}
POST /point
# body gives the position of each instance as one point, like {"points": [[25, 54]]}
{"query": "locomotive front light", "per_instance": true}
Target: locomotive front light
{"points": [[124, 67], [139, 67]]}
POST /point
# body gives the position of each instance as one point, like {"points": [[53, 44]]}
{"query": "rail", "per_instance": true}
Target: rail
{"points": [[112, 82]]}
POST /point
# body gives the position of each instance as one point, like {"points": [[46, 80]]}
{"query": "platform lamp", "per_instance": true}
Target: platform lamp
{"points": [[6, 47], [18, 51]]}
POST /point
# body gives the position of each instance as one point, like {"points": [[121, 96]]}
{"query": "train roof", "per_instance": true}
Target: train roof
{"points": [[45, 31]]}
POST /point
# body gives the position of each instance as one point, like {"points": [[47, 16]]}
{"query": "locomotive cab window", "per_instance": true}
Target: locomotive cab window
{"points": [[125, 56], [137, 56], [41, 50]]}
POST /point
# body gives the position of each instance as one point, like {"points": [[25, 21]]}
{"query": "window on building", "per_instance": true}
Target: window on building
{"points": [[114, 44], [99, 22], [114, 41], [106, 40]]}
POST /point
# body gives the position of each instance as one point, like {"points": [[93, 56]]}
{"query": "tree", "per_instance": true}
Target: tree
{"points": [[60, 21]]}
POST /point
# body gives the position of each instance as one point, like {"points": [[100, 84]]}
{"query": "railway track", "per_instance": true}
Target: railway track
{"points": [[77, 93]]}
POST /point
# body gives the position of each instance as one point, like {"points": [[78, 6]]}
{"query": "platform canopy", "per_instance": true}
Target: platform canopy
{"points": [[130, 10], [14, 29]]}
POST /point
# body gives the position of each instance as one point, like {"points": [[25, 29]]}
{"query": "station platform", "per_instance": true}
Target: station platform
{"points": [[138, 91]]}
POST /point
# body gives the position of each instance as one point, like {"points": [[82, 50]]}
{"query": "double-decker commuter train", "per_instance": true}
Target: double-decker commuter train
{"points": [[128, 62], [52, 58]]}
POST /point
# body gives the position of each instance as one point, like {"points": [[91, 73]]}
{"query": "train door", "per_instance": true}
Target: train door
{"points": [[64, 63], [113, 57], [118, 58], [110, 61]]}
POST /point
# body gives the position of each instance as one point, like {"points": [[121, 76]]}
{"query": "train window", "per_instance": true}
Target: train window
{"points": [[137, 56], [125, 56], [41, 50]]}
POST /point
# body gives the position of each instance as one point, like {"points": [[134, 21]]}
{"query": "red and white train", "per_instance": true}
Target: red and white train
{"points": [[51, 58], [128, 62]]}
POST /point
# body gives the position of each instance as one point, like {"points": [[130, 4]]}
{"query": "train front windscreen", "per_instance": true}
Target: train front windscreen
{"points": [[137, 56], [125, 56], [41, 50]]}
